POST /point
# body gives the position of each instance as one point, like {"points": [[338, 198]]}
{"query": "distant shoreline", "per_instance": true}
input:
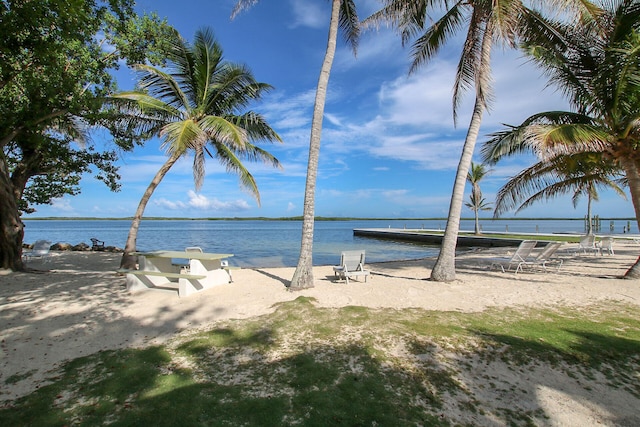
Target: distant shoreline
{"points": [[317, 219]]}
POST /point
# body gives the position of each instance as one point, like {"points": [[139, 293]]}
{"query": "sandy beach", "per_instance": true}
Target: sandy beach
{"points": [[77, 305]]}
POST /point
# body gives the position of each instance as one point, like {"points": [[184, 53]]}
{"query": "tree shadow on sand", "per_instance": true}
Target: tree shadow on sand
{"points": [[304, 365], [285, 282], [64, 313]]}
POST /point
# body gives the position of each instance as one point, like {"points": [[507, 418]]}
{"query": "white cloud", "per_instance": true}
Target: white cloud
{"points": [[373, 45], [62, 204], [200, 202], [424, 150], [309, 14], [421, 99], [333, 119], [392, 194], [168, 204]]}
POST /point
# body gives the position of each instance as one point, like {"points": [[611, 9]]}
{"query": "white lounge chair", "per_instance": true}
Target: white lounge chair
{"points": [[606, 244], [587, 244], [40, 250], [518, 259], [351, 265], [545, 257]]}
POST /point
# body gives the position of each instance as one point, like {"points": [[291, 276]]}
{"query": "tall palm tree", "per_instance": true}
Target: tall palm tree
{"points": [[343, 15], [577, 174], [476, 202], [486, 22], [597, 66], [197, 106]]}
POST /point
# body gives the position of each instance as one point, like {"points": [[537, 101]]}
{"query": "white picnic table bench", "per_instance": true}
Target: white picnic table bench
{"points": [[157, 270]]}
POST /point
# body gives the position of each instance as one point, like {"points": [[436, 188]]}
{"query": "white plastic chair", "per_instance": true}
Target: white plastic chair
{"points": [[587, 244], [606, 244], [40, 250]]}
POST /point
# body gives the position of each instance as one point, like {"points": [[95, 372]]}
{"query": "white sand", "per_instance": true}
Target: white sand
{"points": [[80, 306]]}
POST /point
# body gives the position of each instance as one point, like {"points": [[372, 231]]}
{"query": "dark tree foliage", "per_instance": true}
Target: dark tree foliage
{"points": [[56, 64]]}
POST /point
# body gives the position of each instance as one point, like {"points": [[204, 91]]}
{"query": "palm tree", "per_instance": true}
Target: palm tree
{"points": [[598, 67], [196, 107], [343, 15], [486, 22], [577, 174], [476, 202]]}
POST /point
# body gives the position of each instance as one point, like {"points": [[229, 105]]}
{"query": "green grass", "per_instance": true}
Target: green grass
{"points": [[310, 366]]}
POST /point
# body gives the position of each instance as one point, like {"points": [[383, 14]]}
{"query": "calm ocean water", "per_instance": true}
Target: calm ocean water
{"points": [[275, 243]]}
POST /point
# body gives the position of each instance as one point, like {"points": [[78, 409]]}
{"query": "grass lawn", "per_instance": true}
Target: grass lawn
{"points": [[310, 366]]}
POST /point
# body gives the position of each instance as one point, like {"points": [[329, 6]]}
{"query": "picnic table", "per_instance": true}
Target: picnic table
{"points": [[159, 270]]}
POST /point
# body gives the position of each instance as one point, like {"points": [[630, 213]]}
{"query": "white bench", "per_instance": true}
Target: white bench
{"points": [[185, 284], [163, 274]]}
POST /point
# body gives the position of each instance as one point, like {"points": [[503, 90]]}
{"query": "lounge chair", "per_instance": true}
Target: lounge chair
{"points": [[97, 245], [351, 265], [544, 257], [587, 244], [40, 250], [518, 259], [606, 244]]}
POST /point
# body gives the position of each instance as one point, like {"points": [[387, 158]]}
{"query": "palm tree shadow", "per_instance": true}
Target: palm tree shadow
{"points": [[611, 356], [395, 276], [285, 282]]}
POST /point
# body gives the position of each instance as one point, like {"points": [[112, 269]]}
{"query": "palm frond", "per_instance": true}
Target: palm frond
{"points": [[241, 6], [408, 17], [563, 174], [255, 126], [547, 134], [430, 43], [350, 24], [505, 17], [472, 67], [232, 163], [182, 136], [222, 130], [149, 105], [207, 59], [161, 85], [550, 140]]}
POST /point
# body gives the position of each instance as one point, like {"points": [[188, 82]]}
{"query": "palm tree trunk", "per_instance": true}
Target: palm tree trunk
{"points": [[444, 269], [632, 170], [589, 222], [477, 224], [303, 276], [129, 261]]}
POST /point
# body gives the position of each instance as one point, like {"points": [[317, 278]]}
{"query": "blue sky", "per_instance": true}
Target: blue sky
{"points": [[389, 145]]}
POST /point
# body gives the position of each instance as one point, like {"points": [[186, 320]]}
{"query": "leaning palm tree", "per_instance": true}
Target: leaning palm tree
{"points": [[577, 175], [476, 202], [197, 106], [598, 67], [485, 22], [343, 15]]}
